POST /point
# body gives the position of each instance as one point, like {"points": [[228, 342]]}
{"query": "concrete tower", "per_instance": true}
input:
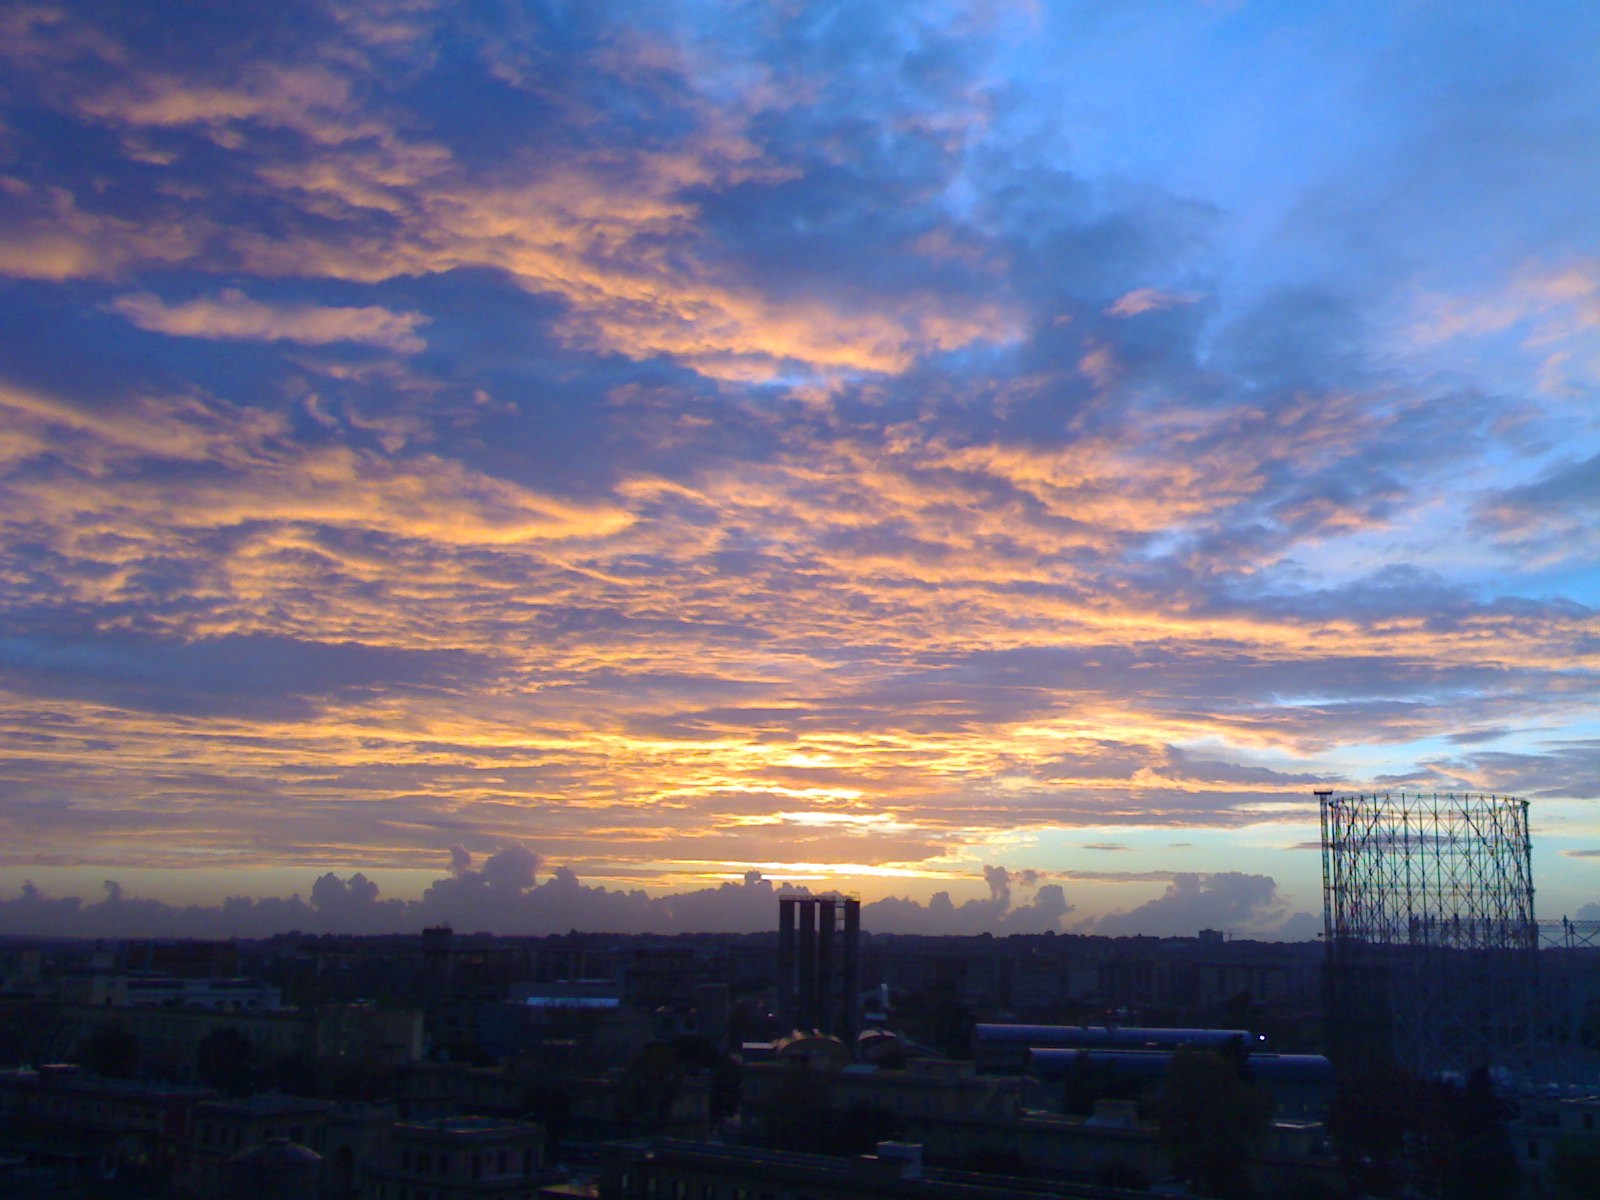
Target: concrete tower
{"points": [[819, 950]]}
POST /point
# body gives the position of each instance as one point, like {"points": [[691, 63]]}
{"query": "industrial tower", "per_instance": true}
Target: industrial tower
{"points": [[1431, 942], [819, 942]]}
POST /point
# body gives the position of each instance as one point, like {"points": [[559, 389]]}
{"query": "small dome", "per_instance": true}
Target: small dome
{"points": [[275, 1151]]}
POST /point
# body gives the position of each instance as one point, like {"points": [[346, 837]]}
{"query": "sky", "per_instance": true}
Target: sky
{"points": [[551, 465]]}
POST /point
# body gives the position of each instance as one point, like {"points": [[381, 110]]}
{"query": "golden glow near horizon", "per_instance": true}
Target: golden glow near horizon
{"points": [[685, 450]]}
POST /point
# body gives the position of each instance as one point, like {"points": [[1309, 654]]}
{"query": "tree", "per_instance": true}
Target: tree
{"points": [[1117, 1173], [1377, 1119], [997, 1160], [112, 1051], [749, 1021], [937, 1017], [550, 1104], [34, 1031], [798, 1115], [1482, 1163], [1241, 1011], [859, 1128], [792, 1111], [224, 1059], [1089, 1078], [1575, 1170], [367, 1077], [1210, 1118], [651, 1083], [296, 1074], [1397, 1133], [698, 1054]]}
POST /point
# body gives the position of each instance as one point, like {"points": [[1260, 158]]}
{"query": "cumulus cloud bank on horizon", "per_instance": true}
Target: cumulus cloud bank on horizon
{"points": [[504, 896], [868, 442]]}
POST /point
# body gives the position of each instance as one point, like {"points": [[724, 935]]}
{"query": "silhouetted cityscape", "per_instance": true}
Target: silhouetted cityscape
{"points": [[634, 1066]]}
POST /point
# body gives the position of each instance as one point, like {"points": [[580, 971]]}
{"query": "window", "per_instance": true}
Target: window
{"points": [[424, 1162], [1533, 1149], [1588, 1120]]}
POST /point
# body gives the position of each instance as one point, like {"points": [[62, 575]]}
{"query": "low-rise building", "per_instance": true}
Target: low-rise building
{"points": [[1549, 1119], [459, 1158], [172, 991], [925, 1089], [1005, 1047], [1301, 1085], [666, 1169], [220, 1130], [59, 1110], [168, 1038], [276, 1169]]}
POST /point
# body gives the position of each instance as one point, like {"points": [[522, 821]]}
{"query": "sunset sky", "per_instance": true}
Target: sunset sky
{"points": [[629, 446]]}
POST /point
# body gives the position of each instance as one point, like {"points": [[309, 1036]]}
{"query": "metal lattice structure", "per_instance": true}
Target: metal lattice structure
{"points": [[1432, 946], [1569, 989], [1567, 934]]}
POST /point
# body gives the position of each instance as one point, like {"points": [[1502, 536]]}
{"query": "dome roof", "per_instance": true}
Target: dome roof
{"points": [[277, 1150]]}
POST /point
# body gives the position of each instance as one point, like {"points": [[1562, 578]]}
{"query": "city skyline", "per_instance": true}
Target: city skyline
{"points": [[501, 452]]}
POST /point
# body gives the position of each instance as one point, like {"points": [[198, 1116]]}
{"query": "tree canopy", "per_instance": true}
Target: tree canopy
{"points": [[1211, 1116]]}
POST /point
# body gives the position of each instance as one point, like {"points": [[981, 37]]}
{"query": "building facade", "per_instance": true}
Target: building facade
{"points": [[459, 1158]]}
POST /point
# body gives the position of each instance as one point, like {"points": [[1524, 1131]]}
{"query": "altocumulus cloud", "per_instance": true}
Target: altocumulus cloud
{"points": [[232, 314], [790, 438]]}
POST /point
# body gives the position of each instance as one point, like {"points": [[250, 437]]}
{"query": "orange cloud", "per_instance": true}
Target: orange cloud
{"points": [[609, 232], [253, 475], [233, 315], [48, 236]]}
